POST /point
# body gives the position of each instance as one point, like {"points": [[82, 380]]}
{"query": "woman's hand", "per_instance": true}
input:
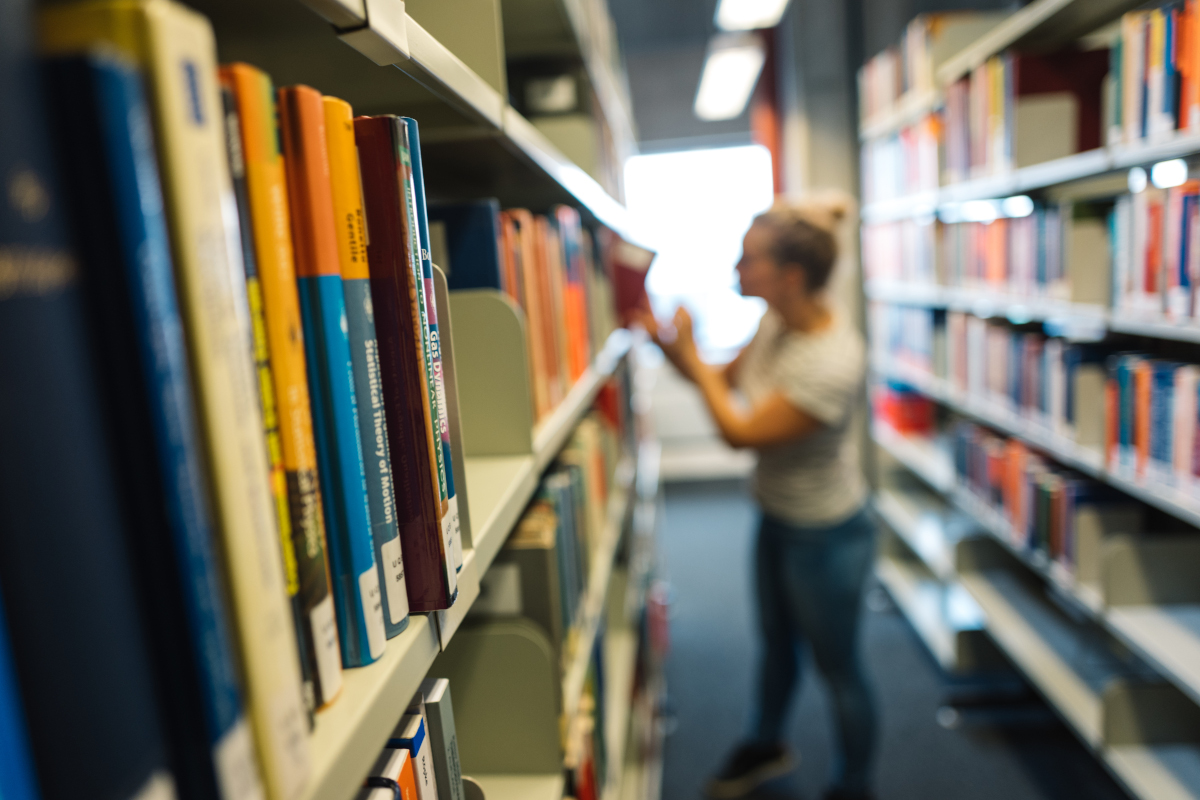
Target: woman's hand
{"points": [[678, 345]]}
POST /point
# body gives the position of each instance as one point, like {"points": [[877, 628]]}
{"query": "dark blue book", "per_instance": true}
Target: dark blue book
{"points": [[1162, 399], [102, 132], [472, 243], [77, 637], [17, 781]]}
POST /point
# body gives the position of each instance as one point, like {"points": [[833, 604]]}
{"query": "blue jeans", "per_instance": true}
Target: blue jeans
{"points": [[810, 585]]}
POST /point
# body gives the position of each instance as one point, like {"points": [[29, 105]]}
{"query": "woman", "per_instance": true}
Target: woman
{"points": [[802, 376]]}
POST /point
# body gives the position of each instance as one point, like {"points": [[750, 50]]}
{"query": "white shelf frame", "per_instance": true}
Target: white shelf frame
{"points": [[1166, 638]]}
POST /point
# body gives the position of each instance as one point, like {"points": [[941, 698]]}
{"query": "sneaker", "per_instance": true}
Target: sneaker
{"points": [[748, 766]]}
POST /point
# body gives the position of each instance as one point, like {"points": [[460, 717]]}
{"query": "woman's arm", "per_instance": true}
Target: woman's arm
{"points": [[774, 420], [730, 371]]}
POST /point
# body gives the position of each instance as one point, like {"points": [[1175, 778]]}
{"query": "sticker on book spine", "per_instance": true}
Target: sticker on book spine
{"points": [[455, 534], [393, 571], [325, 645], [235, 764], [448, 556], [372, 605]]}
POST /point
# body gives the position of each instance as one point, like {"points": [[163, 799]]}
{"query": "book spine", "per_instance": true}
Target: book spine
{"points": [[364, 349], [420, 751], [175, 47], [424, 345], [62, 549], [393, 296], [356, 587], [17, 781], [452, 523], [266, 391], [439, 718], [116, 206], [270, 222]]}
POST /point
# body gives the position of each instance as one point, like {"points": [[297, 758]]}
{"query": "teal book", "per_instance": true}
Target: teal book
{"points": [[439, 382], [357, 593]]}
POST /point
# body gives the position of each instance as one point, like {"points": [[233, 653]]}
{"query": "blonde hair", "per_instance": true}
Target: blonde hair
{"points": [[804, 234]]}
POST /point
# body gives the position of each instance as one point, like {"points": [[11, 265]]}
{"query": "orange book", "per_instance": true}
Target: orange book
{"points": [[356, 586], [267, 188], [554, 281], [536, 327], [392, 777], [1142, 373], [995, 237]]}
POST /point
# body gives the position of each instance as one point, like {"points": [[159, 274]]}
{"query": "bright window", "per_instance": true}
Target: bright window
{"points": [[693, 207]]}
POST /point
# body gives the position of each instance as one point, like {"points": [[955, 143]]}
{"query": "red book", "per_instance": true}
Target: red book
{"points": [[393, 293]]}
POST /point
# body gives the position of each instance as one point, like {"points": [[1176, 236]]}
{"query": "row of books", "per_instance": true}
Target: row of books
{"points": [[1020, 109], [239, 391], [559, 537], [550, 267], [1155, 74], [1056, 384], [1138, 411], [1155, 255], [903, 163], [1051, 510], [420, 760], [908, 69], [1059, 253]]}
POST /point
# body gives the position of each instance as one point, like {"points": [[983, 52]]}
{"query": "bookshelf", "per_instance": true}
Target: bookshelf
{"points": [[382, 58], [1113, 651]]}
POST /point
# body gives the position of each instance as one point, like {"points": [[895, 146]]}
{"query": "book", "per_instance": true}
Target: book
{"points": [[271, 225], [115, 202], [266, 388], [429, 568], [443, 740], [364, 351], [473, 244], [17, 781], [425, 346], [356, 590], [411, 735], [175, 49], [391, 778], [420, 214]]}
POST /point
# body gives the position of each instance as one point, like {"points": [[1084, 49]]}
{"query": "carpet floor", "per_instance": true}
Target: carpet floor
{"points": [[1014, 751]]}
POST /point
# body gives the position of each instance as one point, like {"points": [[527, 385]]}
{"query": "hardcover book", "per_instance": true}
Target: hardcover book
{"points": [[331, 377], [429, 569], [270, 220], [364, 351], [174, 47]]}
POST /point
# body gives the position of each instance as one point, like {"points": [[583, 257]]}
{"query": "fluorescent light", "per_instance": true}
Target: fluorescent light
{"points": [[746, 15], [730, 73], [1137, 180], [1016, 207], [1166, 174]]}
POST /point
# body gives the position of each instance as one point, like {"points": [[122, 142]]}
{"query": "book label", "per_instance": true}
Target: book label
{"points": [[290, 726], [325, 643], [159, 786], [448, 543], [455, 551], [397, 593], [233, 759], [372, 601]]}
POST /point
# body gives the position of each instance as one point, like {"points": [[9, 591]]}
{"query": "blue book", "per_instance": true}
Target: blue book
{"points": [[443, 425], [1162, 399], [76, 633], [377, 459], [357, 592], [473, 242], [112, 186], [17, 781]]}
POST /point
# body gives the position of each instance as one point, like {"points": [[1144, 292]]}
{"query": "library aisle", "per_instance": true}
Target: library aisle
{"points": [[1012, 747]]}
